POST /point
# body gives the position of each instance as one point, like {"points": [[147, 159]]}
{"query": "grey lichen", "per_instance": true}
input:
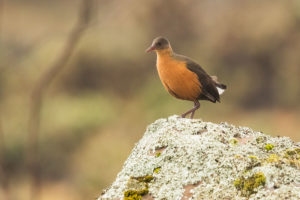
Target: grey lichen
{"points": [[222, 162]]}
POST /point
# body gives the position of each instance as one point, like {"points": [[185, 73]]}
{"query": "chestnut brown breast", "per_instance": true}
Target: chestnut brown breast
{"points": [[176, 78]]}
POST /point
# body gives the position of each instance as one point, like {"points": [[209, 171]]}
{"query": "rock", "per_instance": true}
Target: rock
{"points": [[190, 159]]}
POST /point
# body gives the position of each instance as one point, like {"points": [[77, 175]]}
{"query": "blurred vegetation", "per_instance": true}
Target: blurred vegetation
{"points": [[100, 104]]}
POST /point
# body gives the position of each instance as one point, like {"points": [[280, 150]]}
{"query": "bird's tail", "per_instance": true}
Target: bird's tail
{"points": [[220, 87]]}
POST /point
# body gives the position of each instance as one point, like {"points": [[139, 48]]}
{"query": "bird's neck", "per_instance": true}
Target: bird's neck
{"points": [[164, 61], [164, 53]]}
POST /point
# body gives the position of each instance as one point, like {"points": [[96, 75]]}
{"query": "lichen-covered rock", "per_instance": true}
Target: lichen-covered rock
{"points": [[190, 159]]}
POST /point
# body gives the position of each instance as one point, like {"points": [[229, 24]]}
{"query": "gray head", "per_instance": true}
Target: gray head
{"points": [[159, 43]]}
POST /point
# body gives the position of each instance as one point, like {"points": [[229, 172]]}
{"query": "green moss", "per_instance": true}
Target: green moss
{"points": [[145, 179], [260, 139], [290, 152], [135, 194], [293, 163], [255, 181], [253, 157], [249, 185], [148, 178], [292, 157], [157, 154], [156, 170], [238, 184], [269, 147], [233, 141], [273, 158], [137, 187]]}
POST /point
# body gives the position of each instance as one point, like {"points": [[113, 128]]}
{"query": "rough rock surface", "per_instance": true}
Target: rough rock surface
{"points": [[191, 159]]}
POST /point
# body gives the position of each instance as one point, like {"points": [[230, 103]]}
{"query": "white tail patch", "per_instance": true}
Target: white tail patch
{"points": [[220, 90]]}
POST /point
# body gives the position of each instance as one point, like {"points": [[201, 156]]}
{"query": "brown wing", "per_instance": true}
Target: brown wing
{"points": [[209, 90]]}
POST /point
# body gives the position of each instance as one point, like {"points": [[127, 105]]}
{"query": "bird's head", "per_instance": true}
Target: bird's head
{"points": [[158, 44]]}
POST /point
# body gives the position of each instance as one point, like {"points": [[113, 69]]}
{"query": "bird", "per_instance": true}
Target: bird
{"points": [[183, 77]]}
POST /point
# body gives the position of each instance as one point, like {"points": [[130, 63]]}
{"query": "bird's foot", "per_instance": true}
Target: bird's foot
{"points": [[184, 115], [192, 111]]}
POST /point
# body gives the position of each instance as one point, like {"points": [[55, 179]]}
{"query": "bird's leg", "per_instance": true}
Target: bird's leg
{"points": [[197, 105]]}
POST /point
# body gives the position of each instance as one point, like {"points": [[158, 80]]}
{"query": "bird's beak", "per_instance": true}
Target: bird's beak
{"points": [[151, 48]]}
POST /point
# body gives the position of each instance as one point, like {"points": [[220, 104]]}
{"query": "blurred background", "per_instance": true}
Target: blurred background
{"points": [[99, 102]]}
